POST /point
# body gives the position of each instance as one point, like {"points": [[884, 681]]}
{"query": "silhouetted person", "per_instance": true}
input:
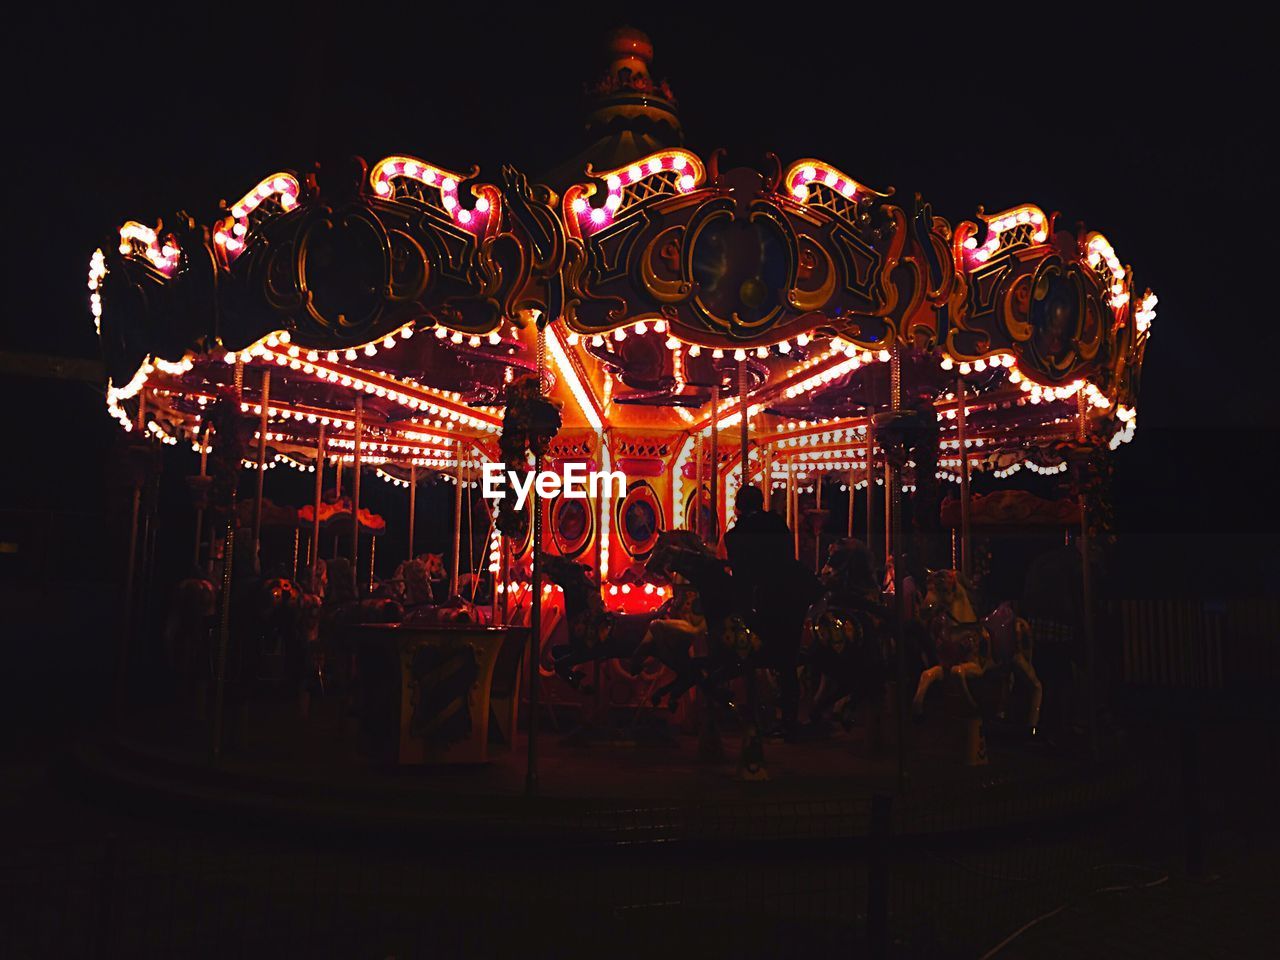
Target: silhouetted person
{"points": [[761, 551]]}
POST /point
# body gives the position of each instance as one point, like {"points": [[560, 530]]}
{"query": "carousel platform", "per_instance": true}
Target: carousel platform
{"points": [[286, 774]]}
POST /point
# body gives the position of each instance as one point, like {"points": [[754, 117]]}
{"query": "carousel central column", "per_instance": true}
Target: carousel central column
{"points": [[262, 468]]}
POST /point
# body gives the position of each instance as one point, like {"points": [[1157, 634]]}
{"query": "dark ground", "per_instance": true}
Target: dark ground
{"points": [[1095, 860]]}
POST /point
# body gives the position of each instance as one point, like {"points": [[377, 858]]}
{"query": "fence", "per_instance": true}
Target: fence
{"points": [[1198, 645]]}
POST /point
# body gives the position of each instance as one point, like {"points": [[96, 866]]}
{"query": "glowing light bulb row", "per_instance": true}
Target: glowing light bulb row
{"points": [[312, 366], [294, 464], [980, 365], [97, 273], [160, 433], [1007, 471], [232, 233], [286, 413], [1026, 215], [138, 238], [495, 551], [589, 219], [1146, 312], [586, 403], [802, 176], [1046, 471], [648, 589], [1126, 432], [1098, 252], [831, 373], [391, 479], [253, 464], [475, 220]]}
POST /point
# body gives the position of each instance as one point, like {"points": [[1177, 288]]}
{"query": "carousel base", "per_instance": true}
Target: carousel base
{"points": [[286, 773]]}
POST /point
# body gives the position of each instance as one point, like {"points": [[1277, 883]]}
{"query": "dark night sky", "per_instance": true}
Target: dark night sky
{"points": [[1148, 130]]}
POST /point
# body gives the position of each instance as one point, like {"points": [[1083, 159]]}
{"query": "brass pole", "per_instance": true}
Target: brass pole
{"points": [[715, 461], [265, 399], [413, 504], [373, 553], [355, 498], [794, 497], [315, 519], [296, 537], [962, 416], [457, 518], [696, 521]]}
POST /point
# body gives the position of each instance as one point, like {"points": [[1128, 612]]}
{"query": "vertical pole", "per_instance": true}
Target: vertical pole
{"points": [[1086, 578], [504, 571], [793, 493], [296, 536], [373, 554], [265, 398], [130, 570], [871, 500], [413, 504], [695, 522], [853, 479], [817, 533], [224, 621], [766, 475], [355, 498], [893, 539], [715, 461], [535, 613], [457, 517], [204, 472], [962, 416], [744, 425], [315, 519], [890, 514]]}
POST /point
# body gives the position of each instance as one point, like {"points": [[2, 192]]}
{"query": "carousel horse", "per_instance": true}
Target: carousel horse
{"points": [[421, 581], [1012, 648], [849, 632], [961, 642], [589, 625], [188, 627], [713, 619]]}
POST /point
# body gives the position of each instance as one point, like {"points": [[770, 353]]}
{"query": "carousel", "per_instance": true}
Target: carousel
{"points": [[885, 379]]}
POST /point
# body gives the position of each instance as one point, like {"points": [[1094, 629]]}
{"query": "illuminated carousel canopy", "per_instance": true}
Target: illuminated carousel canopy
{"points": [[673, 291]]}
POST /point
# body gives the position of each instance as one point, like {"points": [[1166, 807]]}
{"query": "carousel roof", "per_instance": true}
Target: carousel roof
{"points": [[666, 283]]}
